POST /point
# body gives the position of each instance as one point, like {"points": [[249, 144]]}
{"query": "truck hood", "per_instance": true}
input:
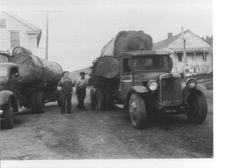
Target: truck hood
{"points": [[147, 76]]}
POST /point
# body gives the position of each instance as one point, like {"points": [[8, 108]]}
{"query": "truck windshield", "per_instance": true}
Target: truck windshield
{"points": [[3, 72], [150, 63]]}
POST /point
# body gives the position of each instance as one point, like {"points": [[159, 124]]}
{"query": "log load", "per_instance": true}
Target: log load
{"points": [[107, 65], [33, 68], [127, 41]]}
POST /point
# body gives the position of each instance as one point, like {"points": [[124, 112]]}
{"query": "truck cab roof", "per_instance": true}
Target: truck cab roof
{"points": [[147, 52]]}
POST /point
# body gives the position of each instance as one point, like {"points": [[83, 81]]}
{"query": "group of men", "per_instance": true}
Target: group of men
{"points": [[66, 89]]}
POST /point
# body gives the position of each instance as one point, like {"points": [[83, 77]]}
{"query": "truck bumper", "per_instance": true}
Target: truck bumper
{"points": [[171, 108]]}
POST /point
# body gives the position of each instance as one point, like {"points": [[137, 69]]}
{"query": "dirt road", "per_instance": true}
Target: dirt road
{"points": [[104, 134]]}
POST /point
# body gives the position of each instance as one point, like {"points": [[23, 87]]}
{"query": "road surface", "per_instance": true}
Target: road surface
{"points": [[104, 135]]}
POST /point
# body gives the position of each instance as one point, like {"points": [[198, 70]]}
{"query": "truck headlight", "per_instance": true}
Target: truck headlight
{"points": [[152, 85], [191, 83]]}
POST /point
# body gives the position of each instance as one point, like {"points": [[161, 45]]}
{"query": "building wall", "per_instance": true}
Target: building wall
{"points": [[27, 40], [195, 47], [195, 62]]}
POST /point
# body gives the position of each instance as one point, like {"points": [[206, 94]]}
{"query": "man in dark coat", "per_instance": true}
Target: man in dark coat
{"points": [[66, 93], [81, 91]]}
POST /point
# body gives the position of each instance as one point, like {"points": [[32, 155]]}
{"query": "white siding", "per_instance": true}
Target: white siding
{"points": [[28, 41], [5, 39], [196, 63], [194, 44]]}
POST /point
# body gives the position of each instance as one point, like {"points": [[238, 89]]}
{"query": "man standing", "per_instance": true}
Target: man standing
{"points": [[66, 93], [81, 91]]}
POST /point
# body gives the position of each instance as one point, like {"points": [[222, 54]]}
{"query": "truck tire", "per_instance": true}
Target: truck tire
{"points": [[8, 117], [197, 108], [137, 111], [100, 99], [152, 111], [37, 102], [92, 99]]}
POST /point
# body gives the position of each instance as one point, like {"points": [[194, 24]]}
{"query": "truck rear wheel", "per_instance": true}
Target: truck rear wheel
{"points": [[137, 111], [100, 99], [37, 102], [8, 117], [197, 108]]}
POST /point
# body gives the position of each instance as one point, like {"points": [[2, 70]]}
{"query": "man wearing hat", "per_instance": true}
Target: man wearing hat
{"points": [[66, 92], [81, 91]]}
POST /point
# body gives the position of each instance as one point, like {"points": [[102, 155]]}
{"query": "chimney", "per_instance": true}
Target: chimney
{"points": [[170, 35]]}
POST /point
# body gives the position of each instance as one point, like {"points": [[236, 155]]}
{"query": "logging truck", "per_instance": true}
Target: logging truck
{"points": [[26, 80], [130, 74]]}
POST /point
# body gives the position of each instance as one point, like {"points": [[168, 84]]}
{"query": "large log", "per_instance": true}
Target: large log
{"points": [[33, 68], [108, 67], [127, 41]]}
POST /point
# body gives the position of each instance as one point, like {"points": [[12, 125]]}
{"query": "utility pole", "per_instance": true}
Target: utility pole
{"points": [[47, 32], [184, 47], [47, 36]]}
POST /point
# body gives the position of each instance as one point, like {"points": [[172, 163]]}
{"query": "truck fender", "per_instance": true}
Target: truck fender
{"points": [[140, 89], [187, 91], [135, 89], [5, 97]]}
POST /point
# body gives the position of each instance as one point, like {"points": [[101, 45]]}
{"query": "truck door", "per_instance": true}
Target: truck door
{"points": [[126, 77]]}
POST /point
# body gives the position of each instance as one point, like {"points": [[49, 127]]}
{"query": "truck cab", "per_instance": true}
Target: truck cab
{"points": [[147, 87], [9, 93]]}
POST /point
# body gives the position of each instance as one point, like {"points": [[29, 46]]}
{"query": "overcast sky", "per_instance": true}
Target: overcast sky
{"points": [[78, 29]]}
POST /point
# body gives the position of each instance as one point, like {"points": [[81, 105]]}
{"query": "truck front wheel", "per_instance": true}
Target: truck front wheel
{"points": [[37, 102], [137, 111], [197, 108], [8, 117]]}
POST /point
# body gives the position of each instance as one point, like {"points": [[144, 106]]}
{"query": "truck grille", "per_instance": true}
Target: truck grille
{"points": [[171, 89]]}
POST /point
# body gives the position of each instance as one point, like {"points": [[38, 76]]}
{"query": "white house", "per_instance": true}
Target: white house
{"points": [[15, 31], [199, 52]]}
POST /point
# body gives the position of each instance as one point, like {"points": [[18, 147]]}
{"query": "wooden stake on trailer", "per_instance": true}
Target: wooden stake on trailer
{"points": [[184, 48]]}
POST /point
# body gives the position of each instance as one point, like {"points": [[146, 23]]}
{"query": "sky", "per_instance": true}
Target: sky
{"points": [[78, 29]]}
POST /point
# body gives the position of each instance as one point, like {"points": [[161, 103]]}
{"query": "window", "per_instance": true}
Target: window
{"points": [[144, 63], [2, 23], [205, 57], [126, 65], [14, 39], [179, 55]]}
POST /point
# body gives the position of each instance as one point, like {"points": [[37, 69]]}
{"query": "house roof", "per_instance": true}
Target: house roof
{"points": [[178, 47], [147, 52], [27, 24]]}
